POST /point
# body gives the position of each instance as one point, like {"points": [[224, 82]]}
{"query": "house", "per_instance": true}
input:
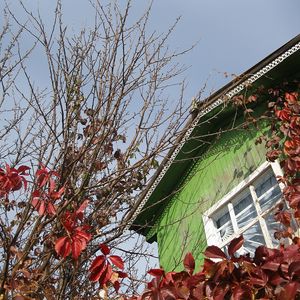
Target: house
{"points": [[215, 183]]}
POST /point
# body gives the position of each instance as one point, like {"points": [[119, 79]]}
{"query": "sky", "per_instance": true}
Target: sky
{"points": [[230, 35], [233, 35]]}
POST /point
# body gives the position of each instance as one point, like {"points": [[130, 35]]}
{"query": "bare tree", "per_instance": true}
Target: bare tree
{"points": [[102, 124]]}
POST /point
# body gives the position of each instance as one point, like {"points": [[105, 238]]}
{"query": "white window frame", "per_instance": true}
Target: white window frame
{"points": [[209, 225]]}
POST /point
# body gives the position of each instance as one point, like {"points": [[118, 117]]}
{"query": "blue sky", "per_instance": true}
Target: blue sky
{"points": [[231, 35]]}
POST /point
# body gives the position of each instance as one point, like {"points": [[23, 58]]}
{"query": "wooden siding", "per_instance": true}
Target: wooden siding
{"points": [[230, 159]]}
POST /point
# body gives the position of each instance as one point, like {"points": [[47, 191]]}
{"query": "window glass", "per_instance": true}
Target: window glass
{"points": [[226, 231], [223, 219], [270, 198], [224, 224], [268, 191], [273, 226], [245, 202], [253, 238], [244, 210], [246, 216], [265, 183]]}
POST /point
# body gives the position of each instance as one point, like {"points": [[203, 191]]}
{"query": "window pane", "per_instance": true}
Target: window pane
{"points": [[223, 220], [268, 191], [253, 237], [224, 225], [244, 210], [273, 226], [267, 180], [226, 231], [270, 198], [243, 203]]}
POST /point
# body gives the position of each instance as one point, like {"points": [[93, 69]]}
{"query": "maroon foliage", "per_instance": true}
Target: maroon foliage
{"points": [[102, 269], [12, 179]]}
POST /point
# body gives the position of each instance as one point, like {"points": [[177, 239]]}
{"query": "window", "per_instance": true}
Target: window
{"points": [[249, 210]]}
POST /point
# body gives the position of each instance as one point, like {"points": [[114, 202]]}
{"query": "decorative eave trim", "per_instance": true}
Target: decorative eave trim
{"points": [[220, 100]]}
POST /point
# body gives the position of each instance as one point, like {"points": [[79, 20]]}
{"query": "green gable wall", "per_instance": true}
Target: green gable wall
{"points": [[230, 159], [205, 168], [281, 66]]}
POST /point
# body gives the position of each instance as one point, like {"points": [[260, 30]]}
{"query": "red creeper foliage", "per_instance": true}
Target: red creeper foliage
{"points": [[44, 197], [286, 107], [12, 179], [270, 274], [102, 269], [77, 236]]}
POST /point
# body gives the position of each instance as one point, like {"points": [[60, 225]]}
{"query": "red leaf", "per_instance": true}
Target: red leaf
{"points": [[106, 275], [289, 292], [42, 208], [83, 206], [116, 286], [235, 245], [259, 277], [271, 265], [79, 233], [263, 252], [51, 209], [276, 279], [197, 293], [104, 249], [294, 268], [170, 293], [257, 281], [56, 195], [196, 278], [219, 292], [122, 274], [291, 98], [63, 246], [284, 217], [117, 261], [294, 199], [214, 252], [22, 170], [237, 294], [209, 267], [19, 297], [98, 261], [97, 273], [189, 263], [11, 179], [156, 272], [39, 205], [77, 247]]}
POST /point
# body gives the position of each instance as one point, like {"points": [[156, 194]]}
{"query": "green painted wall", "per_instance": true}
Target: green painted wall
{"points": [[230, 159]]}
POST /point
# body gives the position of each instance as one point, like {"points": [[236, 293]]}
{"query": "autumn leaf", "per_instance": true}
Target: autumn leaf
{"points": [[117, 261], [104, 249], [214, 252], [189, 263], [156, 272], [235, 245]]}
